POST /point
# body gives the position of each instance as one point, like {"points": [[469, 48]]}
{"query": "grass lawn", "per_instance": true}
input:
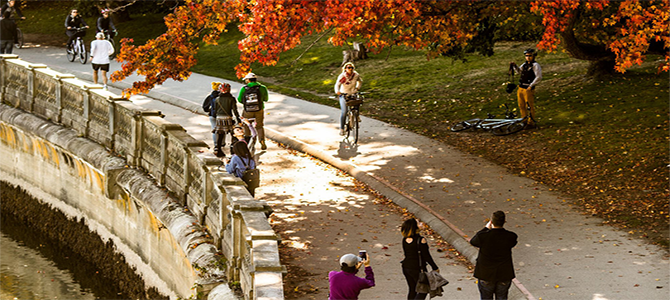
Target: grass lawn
{"points": [[602, 141]]}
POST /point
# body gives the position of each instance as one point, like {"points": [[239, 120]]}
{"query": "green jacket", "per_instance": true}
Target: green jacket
{"points": [[263, 92]]}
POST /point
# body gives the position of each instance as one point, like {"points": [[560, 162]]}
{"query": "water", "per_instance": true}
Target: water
{"points": [[27, 273]]}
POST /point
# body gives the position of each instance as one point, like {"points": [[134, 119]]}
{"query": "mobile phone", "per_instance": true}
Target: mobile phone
{"points": [[363, 254]]}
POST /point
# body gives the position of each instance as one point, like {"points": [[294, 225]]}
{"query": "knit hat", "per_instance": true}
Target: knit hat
{"points": [[349, 260], [225, 87], [215, 85]]}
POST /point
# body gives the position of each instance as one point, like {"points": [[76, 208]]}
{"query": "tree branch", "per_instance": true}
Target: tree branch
{"points": [[310, 46]]}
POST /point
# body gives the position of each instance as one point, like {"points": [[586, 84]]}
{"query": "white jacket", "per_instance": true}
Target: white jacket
{"points": [[100, 51], [350, 85]]}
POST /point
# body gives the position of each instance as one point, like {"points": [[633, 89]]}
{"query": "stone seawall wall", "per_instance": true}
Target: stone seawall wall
{"points": [[137, 179]]}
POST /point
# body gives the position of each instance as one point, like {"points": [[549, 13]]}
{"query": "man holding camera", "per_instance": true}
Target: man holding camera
{"points": [[345, 284], [494, 269]]}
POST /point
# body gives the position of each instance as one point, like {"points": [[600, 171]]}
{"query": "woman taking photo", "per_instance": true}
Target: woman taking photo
{"points": [[415, 248]]}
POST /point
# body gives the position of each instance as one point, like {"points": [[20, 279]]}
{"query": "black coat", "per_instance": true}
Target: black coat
{"points": [[494, 262]]}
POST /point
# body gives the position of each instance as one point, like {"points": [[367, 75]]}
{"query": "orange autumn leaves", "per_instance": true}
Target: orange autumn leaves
{"points": [[272, 27]]}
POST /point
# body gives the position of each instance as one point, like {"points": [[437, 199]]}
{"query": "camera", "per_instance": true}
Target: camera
{"points": [[363, 254]]}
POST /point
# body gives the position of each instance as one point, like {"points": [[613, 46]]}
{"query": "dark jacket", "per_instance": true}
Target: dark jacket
{"points": [[7, 30], [209, 104], [494, 262], [14, 10], [411, 251], [105, 24], [75, 22], [226, 106]]}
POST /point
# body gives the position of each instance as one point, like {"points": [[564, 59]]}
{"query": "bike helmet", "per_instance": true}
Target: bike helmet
{"points": [[530, 51], [224, 87], [249, 76], [105, 10]]}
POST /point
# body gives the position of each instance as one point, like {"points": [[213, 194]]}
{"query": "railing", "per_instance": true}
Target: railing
{"points": [[220, 202]]}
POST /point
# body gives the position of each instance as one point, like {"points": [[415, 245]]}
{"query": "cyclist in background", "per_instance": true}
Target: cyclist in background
{"points": [[72, 23], [349, 82], [13, 7], [105, 24]]}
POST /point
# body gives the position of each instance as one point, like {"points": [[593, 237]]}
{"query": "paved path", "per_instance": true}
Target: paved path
{"points": [[562, 254]]}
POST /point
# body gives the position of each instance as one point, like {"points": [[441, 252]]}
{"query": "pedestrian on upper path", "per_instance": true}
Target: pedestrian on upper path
{"points": [[530, 75], [348, 82], [7, 33], [345, 284], [101, 49], [494, 269], [253, 97], [226, 116], [417, 256], [209, 106]]}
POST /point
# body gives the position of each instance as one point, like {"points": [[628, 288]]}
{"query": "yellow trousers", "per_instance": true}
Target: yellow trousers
{"points": [[526, 97]]}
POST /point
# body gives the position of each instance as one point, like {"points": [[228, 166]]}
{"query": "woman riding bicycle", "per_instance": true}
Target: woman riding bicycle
{"points": [[105, 24], [349, 82], [72, 23]]}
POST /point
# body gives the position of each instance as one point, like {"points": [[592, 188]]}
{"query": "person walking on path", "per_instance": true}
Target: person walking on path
{"points": [[494, 268], [7, 33], [73, 22], [530, 75], [101, 49], [417, 256], [348, 82], [225, 109], [209, 106], [252, 96], [345, 284]]}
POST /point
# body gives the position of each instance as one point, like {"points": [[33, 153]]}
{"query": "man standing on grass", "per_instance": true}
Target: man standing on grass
{"points": [[101, 49], [252, 96], [530, 75], [494, 269]]}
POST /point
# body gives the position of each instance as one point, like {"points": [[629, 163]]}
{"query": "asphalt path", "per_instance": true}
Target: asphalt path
{"points": [[562, 253]]}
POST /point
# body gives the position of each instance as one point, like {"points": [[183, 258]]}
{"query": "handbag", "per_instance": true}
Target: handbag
{"points": [[252, 177], [422, 285]]}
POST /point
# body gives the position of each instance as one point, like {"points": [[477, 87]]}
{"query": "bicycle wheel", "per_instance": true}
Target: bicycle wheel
{"points": [[464, 125], [71, 53], [82, 52], [347, 123], [19, 39], [509, 128], [355, 125]]}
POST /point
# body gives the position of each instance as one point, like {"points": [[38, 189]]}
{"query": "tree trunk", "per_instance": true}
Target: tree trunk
{"points": [[602, 60]]}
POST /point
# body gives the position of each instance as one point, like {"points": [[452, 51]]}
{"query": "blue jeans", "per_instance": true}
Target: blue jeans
{"points": [[343, 111], [488, 288], [212, 120]]}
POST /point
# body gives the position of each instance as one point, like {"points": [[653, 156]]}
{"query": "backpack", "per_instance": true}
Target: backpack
{"points": [[252, 98], [251, 177]]}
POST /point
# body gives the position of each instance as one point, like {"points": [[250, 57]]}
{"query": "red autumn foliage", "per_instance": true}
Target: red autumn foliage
{"points": [[628, 29]]}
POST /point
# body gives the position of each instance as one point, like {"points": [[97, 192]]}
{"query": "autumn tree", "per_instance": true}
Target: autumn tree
{"points": [[617, 34]]}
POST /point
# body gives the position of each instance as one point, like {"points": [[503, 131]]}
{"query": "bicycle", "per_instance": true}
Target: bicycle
{"points": [[510, 124], [78, 49], [352, 117]]}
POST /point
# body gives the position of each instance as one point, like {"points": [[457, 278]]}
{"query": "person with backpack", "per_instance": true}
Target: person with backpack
{"points": [[252, 96], [225, 109], [209, 106], [242, 165], [530, 75]]}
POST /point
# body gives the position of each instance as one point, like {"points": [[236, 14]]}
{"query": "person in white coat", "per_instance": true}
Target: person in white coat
{"points": [[349, 82], [101, 49]]}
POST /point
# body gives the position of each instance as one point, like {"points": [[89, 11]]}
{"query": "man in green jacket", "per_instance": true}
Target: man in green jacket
{"points": [[252, 96]]}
